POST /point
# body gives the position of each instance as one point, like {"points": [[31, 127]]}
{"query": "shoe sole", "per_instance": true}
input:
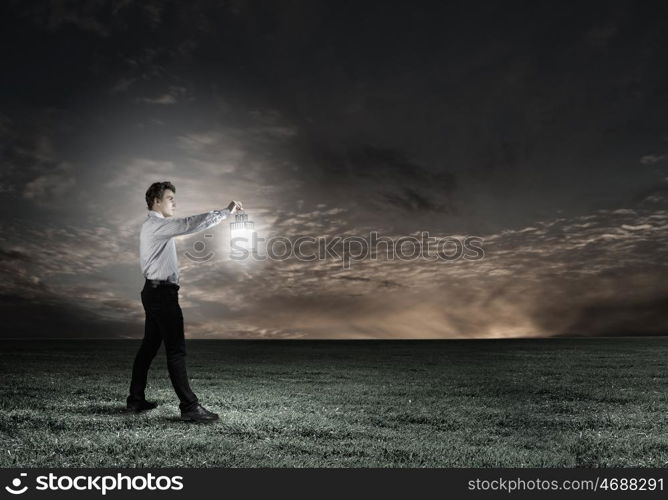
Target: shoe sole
{"points": [[140, 410], [200, 420]]}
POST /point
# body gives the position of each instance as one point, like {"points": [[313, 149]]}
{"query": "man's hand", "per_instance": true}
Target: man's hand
{"points": [[234, 206]]}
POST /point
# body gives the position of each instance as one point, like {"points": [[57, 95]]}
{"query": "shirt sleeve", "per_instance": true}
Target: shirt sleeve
{"points": [[191, 224]]}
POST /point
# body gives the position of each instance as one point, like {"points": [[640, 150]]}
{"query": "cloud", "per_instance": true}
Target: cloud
{"points": [[376, 181], [36, 164], [154, 12], [173, 95], [652, 159], [122, 85], [87, 16], [46, 189], [141, 171]]}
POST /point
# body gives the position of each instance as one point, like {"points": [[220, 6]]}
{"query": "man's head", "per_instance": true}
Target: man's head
{"points": [[160, 197]]}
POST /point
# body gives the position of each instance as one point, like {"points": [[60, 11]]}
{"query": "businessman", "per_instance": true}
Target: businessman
{"points": [[160, 298]]}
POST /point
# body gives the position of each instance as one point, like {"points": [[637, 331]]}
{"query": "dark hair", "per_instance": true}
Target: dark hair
{"points": [[156, 190]]}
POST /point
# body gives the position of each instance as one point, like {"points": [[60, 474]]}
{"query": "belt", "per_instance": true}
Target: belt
{"points": [[157, 283]]}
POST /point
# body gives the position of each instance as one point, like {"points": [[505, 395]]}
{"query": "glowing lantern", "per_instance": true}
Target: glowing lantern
{"points": [[242, 235]]}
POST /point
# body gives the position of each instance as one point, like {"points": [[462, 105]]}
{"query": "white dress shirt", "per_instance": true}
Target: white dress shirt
{"points": [[157, 249]]}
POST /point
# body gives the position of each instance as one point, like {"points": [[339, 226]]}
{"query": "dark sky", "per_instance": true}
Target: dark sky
{"points": [[540, 127]]}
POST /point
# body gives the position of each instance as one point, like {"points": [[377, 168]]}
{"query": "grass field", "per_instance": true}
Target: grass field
{"points": [[502, 403]]}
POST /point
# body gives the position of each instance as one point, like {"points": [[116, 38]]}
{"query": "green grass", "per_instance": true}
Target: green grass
{"points": [[503, 403]]}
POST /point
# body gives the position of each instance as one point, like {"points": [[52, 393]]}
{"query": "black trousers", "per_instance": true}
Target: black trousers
{"points": [[164, 322]]}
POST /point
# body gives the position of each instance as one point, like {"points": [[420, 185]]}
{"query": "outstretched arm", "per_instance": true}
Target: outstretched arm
{"points": [[191, 224]]}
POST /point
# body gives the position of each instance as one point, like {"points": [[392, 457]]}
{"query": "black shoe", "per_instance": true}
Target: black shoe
{"points": [[198, 414], [140, 406]]}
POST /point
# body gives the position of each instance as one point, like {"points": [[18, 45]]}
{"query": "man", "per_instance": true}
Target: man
{"points": [[164, 320]]}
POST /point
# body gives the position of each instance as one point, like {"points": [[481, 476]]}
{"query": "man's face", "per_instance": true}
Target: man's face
{"points": [[166, 205]]}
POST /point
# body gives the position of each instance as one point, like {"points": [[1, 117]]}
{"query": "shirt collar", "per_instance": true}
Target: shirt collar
{"points": [[155, 214]]}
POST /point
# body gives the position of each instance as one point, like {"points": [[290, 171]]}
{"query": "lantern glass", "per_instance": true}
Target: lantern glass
{"points": [[242, 235]]}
